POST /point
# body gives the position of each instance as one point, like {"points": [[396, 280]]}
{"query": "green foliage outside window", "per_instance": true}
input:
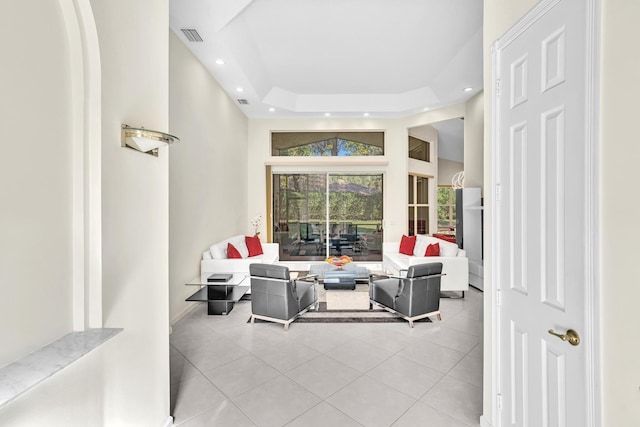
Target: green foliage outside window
{"points": [[446, 209]]}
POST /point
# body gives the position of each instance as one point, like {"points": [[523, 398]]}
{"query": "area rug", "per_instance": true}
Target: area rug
{"points": [[322, 315]]}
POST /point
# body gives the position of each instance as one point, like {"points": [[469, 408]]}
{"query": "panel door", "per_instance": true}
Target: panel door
{"points": [[541, 232]]}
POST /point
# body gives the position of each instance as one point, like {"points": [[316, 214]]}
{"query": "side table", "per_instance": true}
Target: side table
{"points": [[219, 296]]}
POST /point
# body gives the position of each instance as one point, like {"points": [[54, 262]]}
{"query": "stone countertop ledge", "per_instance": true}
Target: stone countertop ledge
{"points": [[27, 372]]}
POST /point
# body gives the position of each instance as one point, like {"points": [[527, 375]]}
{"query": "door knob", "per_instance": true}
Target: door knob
{"points": [[571, 336]]}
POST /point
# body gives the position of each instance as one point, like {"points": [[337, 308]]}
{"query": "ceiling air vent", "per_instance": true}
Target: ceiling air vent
{"points": [[242, 101], [191, 34]]}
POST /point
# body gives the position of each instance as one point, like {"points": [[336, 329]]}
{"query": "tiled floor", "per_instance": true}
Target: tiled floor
{"points": [[227, 372]]}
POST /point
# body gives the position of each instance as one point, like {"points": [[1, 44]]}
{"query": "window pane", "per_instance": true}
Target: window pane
{"points": [[418, 149], [422, 223], [422, 185], [443, 217], [355, 212], [299, 215], [446, 209], [327, 143], [412, 228], [410, 186]]}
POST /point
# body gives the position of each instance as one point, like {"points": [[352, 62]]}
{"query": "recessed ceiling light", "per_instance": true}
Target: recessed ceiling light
{"points": [[426, 109], [327, 114], [272, 109], [239, 89], [467, 89], [366, 114], [220, 61]]}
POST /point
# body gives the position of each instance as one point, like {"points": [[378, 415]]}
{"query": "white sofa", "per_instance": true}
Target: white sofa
{"points": [[455, 263], [214, 259]]}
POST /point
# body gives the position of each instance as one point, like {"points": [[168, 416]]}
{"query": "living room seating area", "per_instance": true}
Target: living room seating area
{"points": [[225, 372]]}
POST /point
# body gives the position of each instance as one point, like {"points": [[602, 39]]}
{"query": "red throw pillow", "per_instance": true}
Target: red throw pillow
{"points": [[407, 244], [433, 250], [232, 252], [254, 245]]}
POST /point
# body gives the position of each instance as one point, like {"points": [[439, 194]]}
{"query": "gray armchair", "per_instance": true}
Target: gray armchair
{"points": [[413, 297], [277, 298]]}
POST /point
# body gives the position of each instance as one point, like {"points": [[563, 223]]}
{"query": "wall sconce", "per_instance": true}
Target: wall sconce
{"points": [[145, 140]]}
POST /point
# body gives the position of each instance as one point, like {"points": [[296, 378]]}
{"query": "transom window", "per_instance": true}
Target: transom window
{"points": [[327, 144], [419, 149]]}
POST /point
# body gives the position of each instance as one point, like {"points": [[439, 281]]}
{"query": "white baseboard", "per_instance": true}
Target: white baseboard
{"points": [[169, 422], [484, 422]]}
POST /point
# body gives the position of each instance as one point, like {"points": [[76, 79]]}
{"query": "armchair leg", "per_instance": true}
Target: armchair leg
{"points": [[252, 319], [439, 317]]}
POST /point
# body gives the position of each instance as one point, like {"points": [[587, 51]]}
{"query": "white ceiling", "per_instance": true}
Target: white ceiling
{"points": [[305, 58]]}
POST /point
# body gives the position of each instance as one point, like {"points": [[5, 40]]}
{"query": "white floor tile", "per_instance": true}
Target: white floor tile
{"points": [[285, 357], [432, 355], [468, 370], [179, 367], [424, 415], [192, 397], [451, 338], [406, 376], [212, 354], [223, 413], [241, 375], [276, 402], [323, 415], [370, 402], [323, 376], [456, 398], [465, 323], [359, 355]]}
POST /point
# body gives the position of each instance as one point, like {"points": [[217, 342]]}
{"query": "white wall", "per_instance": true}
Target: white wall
{"points": [[35, 171], [620, 210], [134, 52], [474, 142], [447, 169], [208, 170], [126, 381]]}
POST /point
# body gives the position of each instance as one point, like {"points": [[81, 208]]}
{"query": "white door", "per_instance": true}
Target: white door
{"points": [[543, 224]]}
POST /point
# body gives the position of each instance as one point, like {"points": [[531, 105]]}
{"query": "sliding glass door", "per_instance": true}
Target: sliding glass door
{"points": [[317, 215]]}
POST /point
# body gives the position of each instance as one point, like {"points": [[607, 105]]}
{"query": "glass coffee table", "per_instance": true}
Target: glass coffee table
{"points": [[219, 296], [344, 289], [358, 274]]}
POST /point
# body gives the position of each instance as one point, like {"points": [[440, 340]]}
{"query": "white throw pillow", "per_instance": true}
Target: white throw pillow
{"points": [[422, 241], [447, 249], [206, 255], [240, 244], [219, 250]]}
